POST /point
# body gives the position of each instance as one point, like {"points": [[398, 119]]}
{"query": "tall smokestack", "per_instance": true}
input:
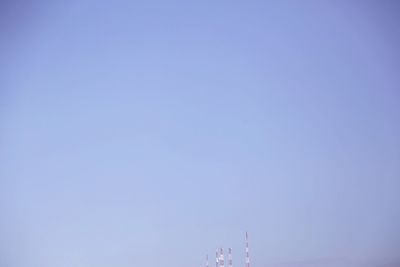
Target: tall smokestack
{"points": [[229, 257], [247, 251], [221, 258], [207, 265], [216, 258]]}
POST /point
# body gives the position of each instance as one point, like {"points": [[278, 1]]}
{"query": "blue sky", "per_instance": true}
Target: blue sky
{"points": [[148, 133]]}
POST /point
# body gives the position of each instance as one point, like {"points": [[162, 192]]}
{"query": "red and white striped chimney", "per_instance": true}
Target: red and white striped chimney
{"points": [[229, 257], [247, 251], [221, 258]]}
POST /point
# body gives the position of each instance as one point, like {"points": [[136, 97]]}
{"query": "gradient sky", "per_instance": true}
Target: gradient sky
{"points": [[147, 133]]}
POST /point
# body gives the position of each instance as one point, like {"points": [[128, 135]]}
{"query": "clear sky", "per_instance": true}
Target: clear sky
{"points": [[148, 133]]}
